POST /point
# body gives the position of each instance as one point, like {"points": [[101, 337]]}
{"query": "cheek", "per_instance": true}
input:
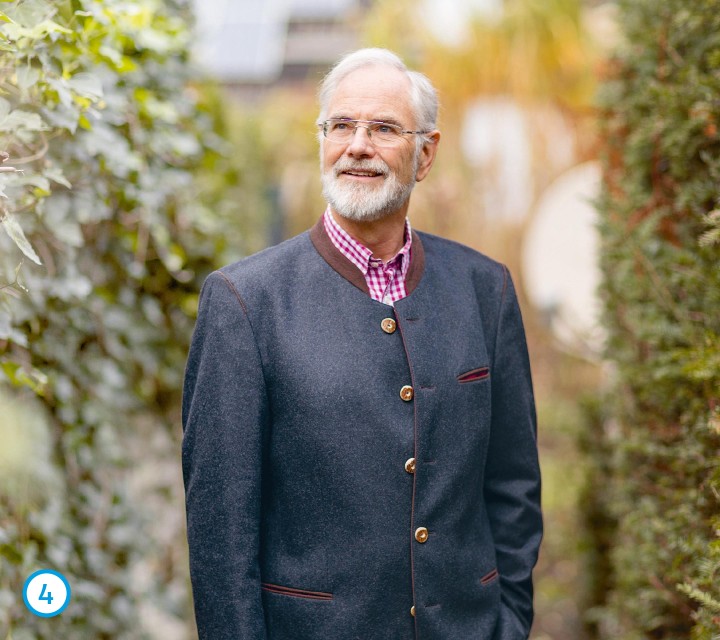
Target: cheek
{"points": [[328, 156], [406, 166]]}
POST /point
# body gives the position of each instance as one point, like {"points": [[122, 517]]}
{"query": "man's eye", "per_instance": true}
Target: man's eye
{"points": [[384, 128], [340, 126]]}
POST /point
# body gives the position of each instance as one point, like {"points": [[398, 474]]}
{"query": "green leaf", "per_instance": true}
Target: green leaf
{"points": [[63, 117], [86, 84], [29, 180], [14, 230], [19, 377], [63, 91], [7, 551], [30, 12], [14, 31], [20, 119], [4, 108], [27, 76], [56, 175]]}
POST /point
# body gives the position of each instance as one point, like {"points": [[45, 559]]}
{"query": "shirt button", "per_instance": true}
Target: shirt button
{"points": [[406, 393], [410, 465], [388, 325], [412, 611], [421, 534]]}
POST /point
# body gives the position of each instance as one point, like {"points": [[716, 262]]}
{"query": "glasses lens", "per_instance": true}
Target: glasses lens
{"points": [[339, 130], [384, 134]]}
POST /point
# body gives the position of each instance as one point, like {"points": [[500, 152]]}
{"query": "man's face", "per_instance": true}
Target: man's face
{"points": [[360, 180]]}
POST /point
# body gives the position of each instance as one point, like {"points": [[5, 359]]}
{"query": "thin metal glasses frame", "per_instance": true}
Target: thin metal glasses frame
{"points": [[365, 124]]}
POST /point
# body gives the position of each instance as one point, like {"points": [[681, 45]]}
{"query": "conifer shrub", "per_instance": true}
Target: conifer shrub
{"points": [[658, 479]]}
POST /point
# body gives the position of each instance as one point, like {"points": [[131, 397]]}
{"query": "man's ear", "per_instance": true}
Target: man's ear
{"points": [[427, 154]]}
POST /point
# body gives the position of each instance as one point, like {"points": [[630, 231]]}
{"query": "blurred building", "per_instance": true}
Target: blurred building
{"points": [[252, 45]]}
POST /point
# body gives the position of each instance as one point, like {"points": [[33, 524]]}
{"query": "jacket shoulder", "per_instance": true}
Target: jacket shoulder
{"points": [[271, 263], [457, 258], [270, 273]]}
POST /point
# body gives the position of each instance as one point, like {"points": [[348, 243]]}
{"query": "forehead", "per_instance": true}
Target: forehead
{"points": [[373, 93]]}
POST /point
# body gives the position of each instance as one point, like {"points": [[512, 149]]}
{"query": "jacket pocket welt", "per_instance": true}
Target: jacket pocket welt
{"points": [[295, 593], [473, 375], [488, 578]]}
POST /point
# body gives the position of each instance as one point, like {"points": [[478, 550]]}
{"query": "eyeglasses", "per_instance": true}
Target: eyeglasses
{"points": [[382, 134]]}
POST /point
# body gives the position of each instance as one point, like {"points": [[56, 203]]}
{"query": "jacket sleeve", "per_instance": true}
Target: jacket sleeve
{"points": [[224, 413], [512, 480]]}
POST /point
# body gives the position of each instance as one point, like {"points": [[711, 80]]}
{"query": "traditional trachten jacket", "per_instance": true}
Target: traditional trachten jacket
{"points": [[355, 471]]}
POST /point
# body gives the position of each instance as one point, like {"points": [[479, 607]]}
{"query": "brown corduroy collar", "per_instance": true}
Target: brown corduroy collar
{"points": [[334, 257]]}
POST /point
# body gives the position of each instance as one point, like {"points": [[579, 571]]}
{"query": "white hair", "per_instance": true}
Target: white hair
{"points": [[423, 96]]}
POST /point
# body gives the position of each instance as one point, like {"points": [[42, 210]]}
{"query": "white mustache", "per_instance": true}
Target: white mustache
{"points": [[344, 164]]}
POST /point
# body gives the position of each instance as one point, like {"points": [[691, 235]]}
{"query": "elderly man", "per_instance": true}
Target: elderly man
{"points": [[359, 448]]}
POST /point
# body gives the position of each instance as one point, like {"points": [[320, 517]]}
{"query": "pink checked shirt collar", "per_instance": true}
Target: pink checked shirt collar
{"points": [[386, 282]]}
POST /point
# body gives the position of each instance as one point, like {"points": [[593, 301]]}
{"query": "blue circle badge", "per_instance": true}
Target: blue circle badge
{"points": [[46, 593]]}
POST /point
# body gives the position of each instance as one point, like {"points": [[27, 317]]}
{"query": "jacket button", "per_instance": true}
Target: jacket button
{"points": [[388, 325], [412, 611], [410, 465], [421, 534], [406, 393]]}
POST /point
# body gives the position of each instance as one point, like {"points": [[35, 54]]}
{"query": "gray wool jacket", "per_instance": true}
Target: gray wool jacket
{"points": [[323, 503]]}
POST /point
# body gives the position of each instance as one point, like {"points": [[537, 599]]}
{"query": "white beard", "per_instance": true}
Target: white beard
{"points": [[361, 202]]}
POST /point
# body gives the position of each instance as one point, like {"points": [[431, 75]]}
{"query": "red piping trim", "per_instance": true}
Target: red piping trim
{"points": [[235, 291], [297, 593]]}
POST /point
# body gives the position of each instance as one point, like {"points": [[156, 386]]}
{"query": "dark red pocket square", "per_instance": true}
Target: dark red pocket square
{"points": [[487, 579], [475, 374]]}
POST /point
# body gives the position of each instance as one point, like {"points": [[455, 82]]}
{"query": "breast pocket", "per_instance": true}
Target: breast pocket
{"points": [[474, 375]]}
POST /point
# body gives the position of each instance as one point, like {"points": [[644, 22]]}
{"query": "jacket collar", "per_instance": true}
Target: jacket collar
{"points": [[351, 273]]}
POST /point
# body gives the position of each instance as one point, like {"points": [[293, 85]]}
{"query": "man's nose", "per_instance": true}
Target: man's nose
{"points": [[361, 143]]}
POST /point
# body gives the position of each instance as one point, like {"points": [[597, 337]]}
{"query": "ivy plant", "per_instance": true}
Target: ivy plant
{"points": [[107, 231]]}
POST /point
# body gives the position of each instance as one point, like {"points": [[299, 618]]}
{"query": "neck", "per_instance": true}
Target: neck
{"points": [[384, 237]]}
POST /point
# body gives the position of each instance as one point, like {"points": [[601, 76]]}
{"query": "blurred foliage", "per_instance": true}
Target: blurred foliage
{"points": [[534, 51], [108, 231], [279, 162], [660, 447]]}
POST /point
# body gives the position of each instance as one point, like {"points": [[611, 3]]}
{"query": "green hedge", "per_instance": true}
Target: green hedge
{"points": [[657, 472], [103, 245]]}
